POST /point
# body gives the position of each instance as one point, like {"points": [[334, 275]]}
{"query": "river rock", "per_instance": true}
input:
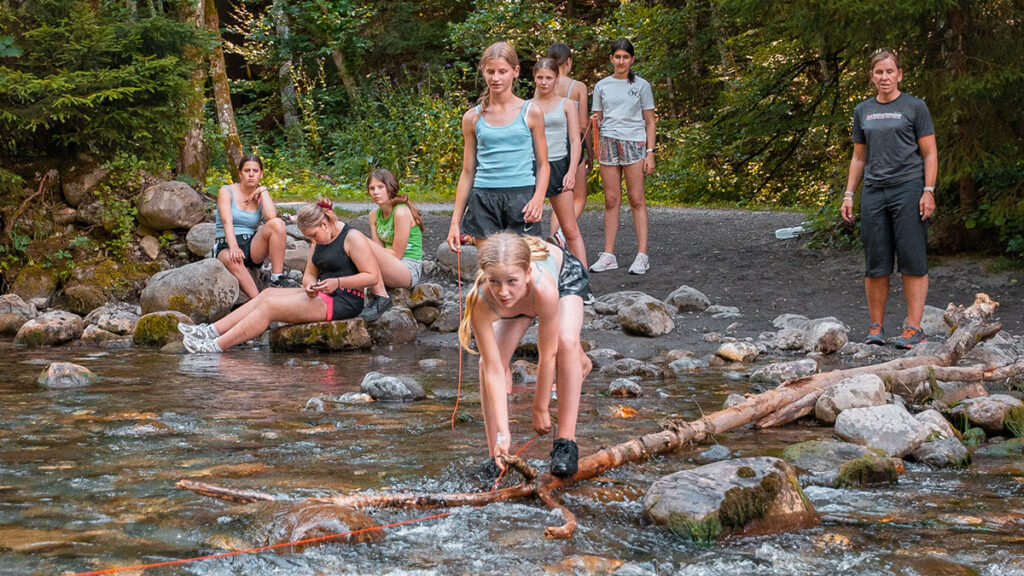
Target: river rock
{"points": [[719, 311], [824, 335], [609, 304], [842, 464], [296, 256], [987, 412], [772, 375], [889, 427], [949, 393], [625, 387], [100, 338], [524, 371], [466, 262], [932, 322], [426, 315], [159, 328], [646, 316], [602, 357], [170, 205], [793, 321], [942, 453], [632, 367], [685, 366], [737, 352], [426, 294], [323, 336], [200, 239], [66, 375], [83, 298], [205, 291], [447, 318], [936, 425], [687, 299], [391, 388], [789, 339], [54, 327], [78, 183], [856, 392], [757, 495], [1012, 448], [992, 354], [14, 312], [35, 284], [715, 453], [396, 326], [116, 317], [150, 246]]}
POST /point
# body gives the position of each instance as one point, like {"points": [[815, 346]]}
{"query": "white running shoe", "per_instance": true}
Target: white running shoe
{"points": [[605, 261], [198, 331], [640, 265], [200, 346]]}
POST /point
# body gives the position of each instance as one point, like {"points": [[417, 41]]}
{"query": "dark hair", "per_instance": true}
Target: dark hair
{"points": [[623, 44], [249, 158], [546, 64], [391, 185], [560, 53]]}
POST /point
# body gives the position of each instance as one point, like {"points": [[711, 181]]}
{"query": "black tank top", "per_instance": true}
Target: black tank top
{"points": [[331, 259]]}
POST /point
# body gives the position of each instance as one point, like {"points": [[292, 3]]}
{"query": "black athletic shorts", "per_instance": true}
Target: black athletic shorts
{"points": [[244, 240], [573, 279], [559, 168], [490, 210], [892, 230]]}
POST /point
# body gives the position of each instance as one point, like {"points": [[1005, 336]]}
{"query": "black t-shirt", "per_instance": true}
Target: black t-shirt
{"points": [[891, 131], [331, 260]]}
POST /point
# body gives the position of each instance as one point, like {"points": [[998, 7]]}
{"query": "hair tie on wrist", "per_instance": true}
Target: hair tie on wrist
{"points": [[325, 204]]}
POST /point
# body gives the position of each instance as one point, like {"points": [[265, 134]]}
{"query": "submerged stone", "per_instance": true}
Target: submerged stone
{"points": [[942, 453], [323, 336], [66, 375], [841, 464], [391, 388]]}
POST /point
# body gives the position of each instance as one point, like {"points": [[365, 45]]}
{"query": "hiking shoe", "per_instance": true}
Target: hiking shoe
{"points": [[283, 282], [605, 261], [875, 335], [377, 306], [200, 346], [198, 331], [564, 458], [641, 264], [911, 337]]}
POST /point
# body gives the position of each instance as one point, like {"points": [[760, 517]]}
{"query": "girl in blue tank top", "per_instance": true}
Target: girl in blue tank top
{"points": [[504, 159]]}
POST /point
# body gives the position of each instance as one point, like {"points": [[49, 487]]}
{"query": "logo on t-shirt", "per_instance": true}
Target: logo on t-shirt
{"points": [[884, 116], [634, 92]]}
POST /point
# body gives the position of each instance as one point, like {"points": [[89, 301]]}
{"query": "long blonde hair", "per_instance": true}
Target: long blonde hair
{"points": [[499, 249], [504, 51], [310, 215]]}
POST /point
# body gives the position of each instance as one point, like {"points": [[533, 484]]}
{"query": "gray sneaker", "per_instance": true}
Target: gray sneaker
{"points": [[641, 264], [199, 346], [198, 331], [605, 261]]}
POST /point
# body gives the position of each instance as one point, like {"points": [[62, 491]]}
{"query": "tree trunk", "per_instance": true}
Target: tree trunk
{"points": [[960, 23], [194, 161], [284, 73], [346, 77], [222, 92]]}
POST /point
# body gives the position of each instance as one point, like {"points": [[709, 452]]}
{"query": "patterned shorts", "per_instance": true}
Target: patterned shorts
{"points": [[621, 152]]}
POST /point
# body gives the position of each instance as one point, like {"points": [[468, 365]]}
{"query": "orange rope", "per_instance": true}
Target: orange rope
{"points": [[260, 549], [458, 282]]}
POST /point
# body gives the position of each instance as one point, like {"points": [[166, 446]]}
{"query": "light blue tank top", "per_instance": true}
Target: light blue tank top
{"points": [[556, 132], [243, 221], [504, 154]]}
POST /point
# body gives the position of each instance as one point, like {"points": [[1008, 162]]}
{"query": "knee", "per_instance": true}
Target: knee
{"points": [[636, 202], [276, 226]]}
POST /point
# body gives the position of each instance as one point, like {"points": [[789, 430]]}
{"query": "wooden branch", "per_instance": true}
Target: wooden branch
{"points": [[230, 494], [18, 212], [567, 529]]}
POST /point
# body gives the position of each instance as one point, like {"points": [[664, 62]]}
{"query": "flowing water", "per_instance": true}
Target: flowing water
{"points": [[87, 478]]}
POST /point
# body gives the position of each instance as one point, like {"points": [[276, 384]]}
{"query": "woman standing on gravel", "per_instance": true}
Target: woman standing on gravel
{"points": [[624, 107], [894, 152]]}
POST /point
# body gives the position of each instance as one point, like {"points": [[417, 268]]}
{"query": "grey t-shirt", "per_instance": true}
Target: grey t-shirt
{"points": [[891, 131], [623, 105]]}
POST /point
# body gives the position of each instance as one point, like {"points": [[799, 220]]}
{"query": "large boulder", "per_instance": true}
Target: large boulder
{"points": [[687, 299], [756, 495], [396, 326], [465, 261], [159, 328], [426, 294], [936, 424], [170, 205], [200, 239], [324, 336], [772, 375], [447, 319], [66, 375], [296, 255], [988, 412], [942, 453], [391, 388], [646, 316], [890, 428], [737, 352], [856, 392], [35, 284], [14, 312], [842, 464], [55, 327], [204, 291], [611, 303], [117, 318], [824, 335]]}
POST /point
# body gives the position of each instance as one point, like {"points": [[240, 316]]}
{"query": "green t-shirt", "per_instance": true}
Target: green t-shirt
{"points": [[386, 232]]}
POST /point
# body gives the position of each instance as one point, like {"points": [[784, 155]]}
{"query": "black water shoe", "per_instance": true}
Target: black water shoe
{"points": [[564, 458]]}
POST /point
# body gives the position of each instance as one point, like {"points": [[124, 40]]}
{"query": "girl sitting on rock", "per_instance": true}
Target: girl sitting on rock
{"points": [[395, 228], [522, 278], [340, 264], [240, 242]]}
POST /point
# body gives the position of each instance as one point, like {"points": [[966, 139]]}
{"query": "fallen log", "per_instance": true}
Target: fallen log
{"points": [[793, 399]]}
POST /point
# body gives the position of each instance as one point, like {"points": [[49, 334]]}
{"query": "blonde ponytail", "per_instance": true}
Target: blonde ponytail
{"points": [[466, 326]]}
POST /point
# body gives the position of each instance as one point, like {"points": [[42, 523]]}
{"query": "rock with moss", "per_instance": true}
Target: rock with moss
{"points": [[646, 316], [14, 312], [158, 328], [116, 317], [66, 375], [936, 424], [100, 338], [384, 388], [948, 452], [83, 299], [988, 412], [35, 284], [324, 336], [745, 495], [170, 205], [396, 326], [841, 464], [78, 182], [50, 329], [974, 436], [426, 315], [204, 291], [426, 294], [1012, 448], [858, 391], [890, 428]]}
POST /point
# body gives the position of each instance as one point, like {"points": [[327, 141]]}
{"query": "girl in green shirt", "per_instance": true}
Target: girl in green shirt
{"points": [[395, 228]]}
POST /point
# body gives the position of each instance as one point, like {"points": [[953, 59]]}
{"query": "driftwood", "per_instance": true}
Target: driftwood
{"points": [[789, 401]]}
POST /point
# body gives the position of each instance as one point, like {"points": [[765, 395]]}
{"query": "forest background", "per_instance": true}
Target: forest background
{"points": [[754, 98]]}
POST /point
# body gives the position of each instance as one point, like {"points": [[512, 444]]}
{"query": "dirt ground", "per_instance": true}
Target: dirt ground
{"points": [[733, 257]]}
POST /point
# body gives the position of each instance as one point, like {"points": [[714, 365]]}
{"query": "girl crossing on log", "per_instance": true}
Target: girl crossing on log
{"points": [[240, 242], [340, 264], [577, 92], [395, 228], [504, 158], [561, 132], [522, 278]]}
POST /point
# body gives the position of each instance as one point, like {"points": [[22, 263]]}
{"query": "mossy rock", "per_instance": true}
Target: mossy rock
{"points": [[35, 282], [158, 328], [82, 299], [1012, 448], [869, 470], [324, 336], [974, 437]]}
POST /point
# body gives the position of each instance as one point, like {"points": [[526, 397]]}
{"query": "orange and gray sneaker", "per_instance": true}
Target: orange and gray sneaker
{"points": [[875, 335], [911, 337]]}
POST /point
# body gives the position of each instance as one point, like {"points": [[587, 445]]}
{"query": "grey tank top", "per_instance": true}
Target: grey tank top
{"points": [[556, 132]]}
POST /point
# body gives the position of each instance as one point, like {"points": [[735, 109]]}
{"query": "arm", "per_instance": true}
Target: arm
{"points": [[465, 178], [534, 209], [572, 117], [652, 139], [373, 227], [860, 155], [224, 209], [403, 227], [930, 154], [492, 380], [310, 276], [269, 209], [358, 249], [546, 306]]}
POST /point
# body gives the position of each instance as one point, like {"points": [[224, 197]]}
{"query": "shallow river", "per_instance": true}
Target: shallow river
{"points": [[87, 477]]}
